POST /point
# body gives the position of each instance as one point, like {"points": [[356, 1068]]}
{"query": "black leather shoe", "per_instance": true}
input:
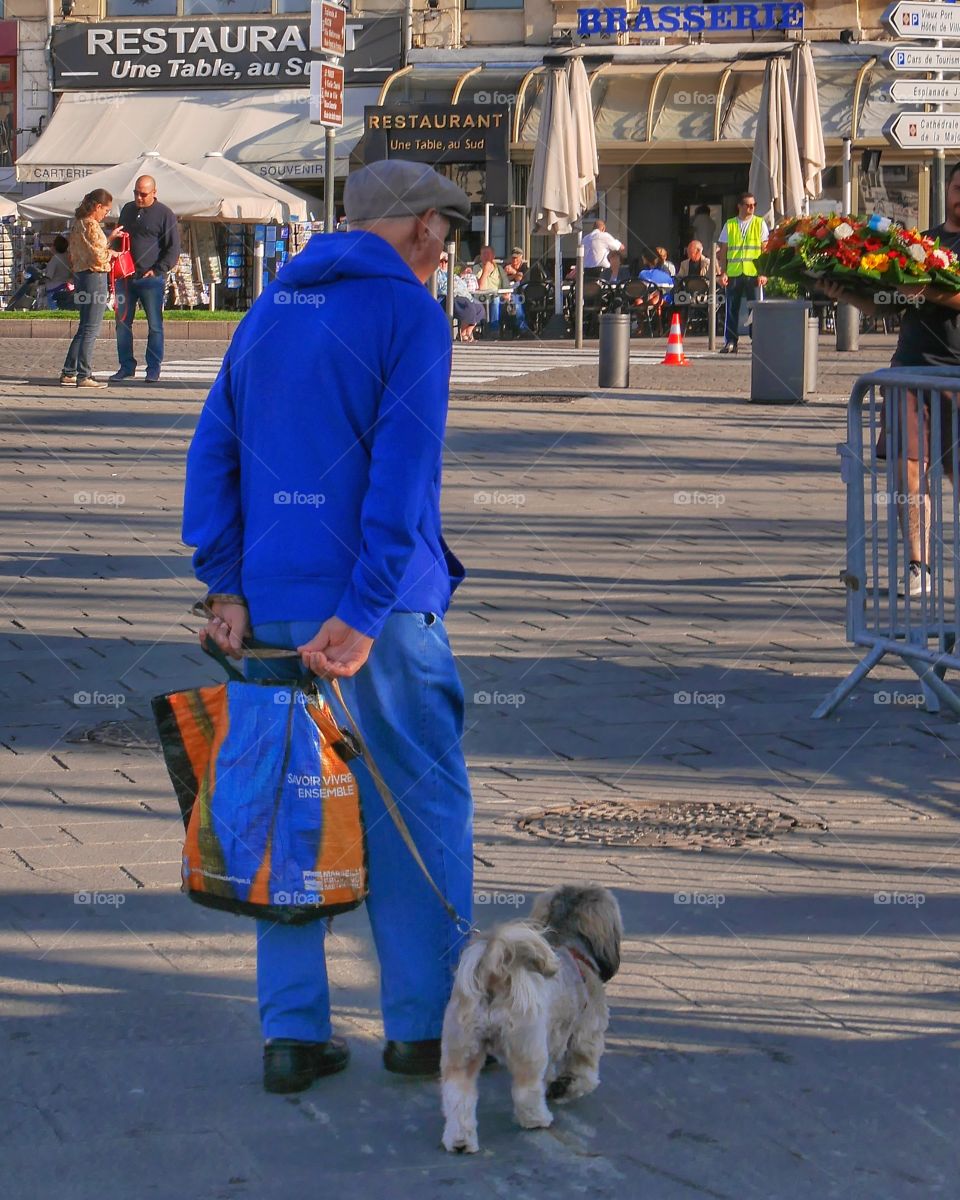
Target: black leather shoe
{"points": [[413, 1058], [728, 348], [290, 1066]]}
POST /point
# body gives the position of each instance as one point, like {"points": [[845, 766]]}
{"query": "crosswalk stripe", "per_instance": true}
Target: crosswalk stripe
{"points": [[471, 364]]}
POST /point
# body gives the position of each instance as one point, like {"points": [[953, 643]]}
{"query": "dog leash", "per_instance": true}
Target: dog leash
{"points": [[267, 653]]}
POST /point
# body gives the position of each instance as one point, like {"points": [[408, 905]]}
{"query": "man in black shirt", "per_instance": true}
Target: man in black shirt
{"points": [[155, 246], [929, 343]]}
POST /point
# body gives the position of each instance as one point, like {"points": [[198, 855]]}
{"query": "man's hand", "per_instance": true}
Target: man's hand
{"points": [[336, 650], [723, 279], [228, 628], [762, 280], [148, 274]]}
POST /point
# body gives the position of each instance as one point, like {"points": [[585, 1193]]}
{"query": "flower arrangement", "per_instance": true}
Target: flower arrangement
{"points": [[857, 252]]}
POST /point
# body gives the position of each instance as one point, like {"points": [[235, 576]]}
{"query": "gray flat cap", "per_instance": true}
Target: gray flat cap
{"points": [[395, 188]]}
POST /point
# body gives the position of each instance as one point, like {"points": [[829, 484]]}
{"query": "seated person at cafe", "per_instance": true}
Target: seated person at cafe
{"points": [[469, 312], [495, 280], [654, 273], [695, 266]]}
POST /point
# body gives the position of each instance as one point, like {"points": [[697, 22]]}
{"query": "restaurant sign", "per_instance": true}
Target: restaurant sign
{"points": [[260, 52], [438, 133], [689, 18]]}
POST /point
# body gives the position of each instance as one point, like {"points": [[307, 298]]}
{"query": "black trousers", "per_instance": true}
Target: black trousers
{"points": [[739, 287]]}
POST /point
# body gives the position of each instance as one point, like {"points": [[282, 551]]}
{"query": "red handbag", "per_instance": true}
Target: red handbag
{"points": [[123, 265]]}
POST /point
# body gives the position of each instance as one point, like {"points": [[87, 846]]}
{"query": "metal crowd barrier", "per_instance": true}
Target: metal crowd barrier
{"points": [[886, 499]]}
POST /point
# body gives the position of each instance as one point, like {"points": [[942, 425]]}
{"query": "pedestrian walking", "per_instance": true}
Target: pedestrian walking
{"points": [[155, 246], [90, 258], [741, 241], [929, 344], [313, 501]]}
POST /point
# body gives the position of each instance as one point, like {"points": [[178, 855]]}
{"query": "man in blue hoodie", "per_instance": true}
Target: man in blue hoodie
{"points": [[313, 501]]}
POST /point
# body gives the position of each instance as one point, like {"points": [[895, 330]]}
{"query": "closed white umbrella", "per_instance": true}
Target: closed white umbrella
{"points": [[293, 204], [190, 194], [553, 192], [585, 136], [806, 109], [775, 172]]}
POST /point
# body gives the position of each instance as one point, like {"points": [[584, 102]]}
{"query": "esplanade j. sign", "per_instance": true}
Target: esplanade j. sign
{"points": [[689, 18]]}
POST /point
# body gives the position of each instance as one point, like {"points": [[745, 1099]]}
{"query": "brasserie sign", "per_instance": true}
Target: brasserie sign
{"points": [[260, 52], [689, 18]]}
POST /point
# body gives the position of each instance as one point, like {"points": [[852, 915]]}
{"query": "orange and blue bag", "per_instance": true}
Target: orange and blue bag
{"points": [[274, 826]]}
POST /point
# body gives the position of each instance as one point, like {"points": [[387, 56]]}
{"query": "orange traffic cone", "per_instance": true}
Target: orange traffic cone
{"points": [[675, 356]]}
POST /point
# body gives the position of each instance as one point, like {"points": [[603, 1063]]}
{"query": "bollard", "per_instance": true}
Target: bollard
{"points": [[813, 354], [614, 350], [848, 327]]}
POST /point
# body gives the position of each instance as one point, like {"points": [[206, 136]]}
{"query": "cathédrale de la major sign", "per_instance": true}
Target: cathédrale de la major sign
{"points": [[689, 18]]}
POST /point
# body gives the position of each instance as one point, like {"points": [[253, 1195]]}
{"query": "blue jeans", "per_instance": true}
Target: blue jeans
{"points": [[408, 702], [91, 296], [495, 313], [150, 293]]}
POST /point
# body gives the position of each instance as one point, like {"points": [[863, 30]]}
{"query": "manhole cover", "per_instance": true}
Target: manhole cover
{"points": [[684, 824], [139, 733]]}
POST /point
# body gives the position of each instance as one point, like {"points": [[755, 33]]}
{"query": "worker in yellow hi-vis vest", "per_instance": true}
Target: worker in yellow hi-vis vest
{"points": [[741, 241]]}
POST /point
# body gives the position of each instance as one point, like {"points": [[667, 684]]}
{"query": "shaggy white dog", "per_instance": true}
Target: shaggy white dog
{"points": [[532, 994]]}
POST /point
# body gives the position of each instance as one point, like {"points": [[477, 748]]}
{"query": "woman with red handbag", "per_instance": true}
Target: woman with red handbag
{"points": [[90, 258]]}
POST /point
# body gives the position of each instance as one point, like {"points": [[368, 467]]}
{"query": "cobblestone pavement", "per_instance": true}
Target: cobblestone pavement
{"points": [[651, 616]]}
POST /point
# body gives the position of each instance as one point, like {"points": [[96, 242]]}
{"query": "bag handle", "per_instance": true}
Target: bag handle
{"points": [[264, 653]]}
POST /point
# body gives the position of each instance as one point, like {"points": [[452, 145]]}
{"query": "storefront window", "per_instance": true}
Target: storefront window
{"points": [[8, 95], [893, 191], [225, 8], [493, 4], [141, 8], [293, 6]]}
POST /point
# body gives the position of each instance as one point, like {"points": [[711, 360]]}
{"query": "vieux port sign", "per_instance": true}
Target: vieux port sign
{"points": [[260, 52], [689, 18]]}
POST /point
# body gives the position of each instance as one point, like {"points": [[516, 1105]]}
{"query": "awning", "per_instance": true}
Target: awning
{"points": [[269, 132]]}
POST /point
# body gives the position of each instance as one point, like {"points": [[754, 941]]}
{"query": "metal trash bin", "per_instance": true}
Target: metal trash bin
{"points": [[614, 350], [780, 350], [813, 353]]}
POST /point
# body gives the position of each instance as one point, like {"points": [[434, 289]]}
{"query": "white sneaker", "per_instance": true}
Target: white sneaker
{"points": [[90, 382], [915, 582]]}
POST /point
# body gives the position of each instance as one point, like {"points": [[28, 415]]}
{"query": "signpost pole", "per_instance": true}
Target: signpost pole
{"points": [[938, 188], [578, 323], [848, 315], [329, 180], [451, 263]]}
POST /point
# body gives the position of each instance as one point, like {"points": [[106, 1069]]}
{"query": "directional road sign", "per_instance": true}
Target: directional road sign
{"points": [[326, 94], [925, 91], [923, 58], [328, 28], [907, 19], [923, 131]]}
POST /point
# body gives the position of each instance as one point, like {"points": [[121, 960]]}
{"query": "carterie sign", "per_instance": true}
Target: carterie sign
{"points": [[259, 52]]}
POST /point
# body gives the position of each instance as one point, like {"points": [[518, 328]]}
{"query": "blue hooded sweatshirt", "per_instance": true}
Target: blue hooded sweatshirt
{"points": [[313, 478]]}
